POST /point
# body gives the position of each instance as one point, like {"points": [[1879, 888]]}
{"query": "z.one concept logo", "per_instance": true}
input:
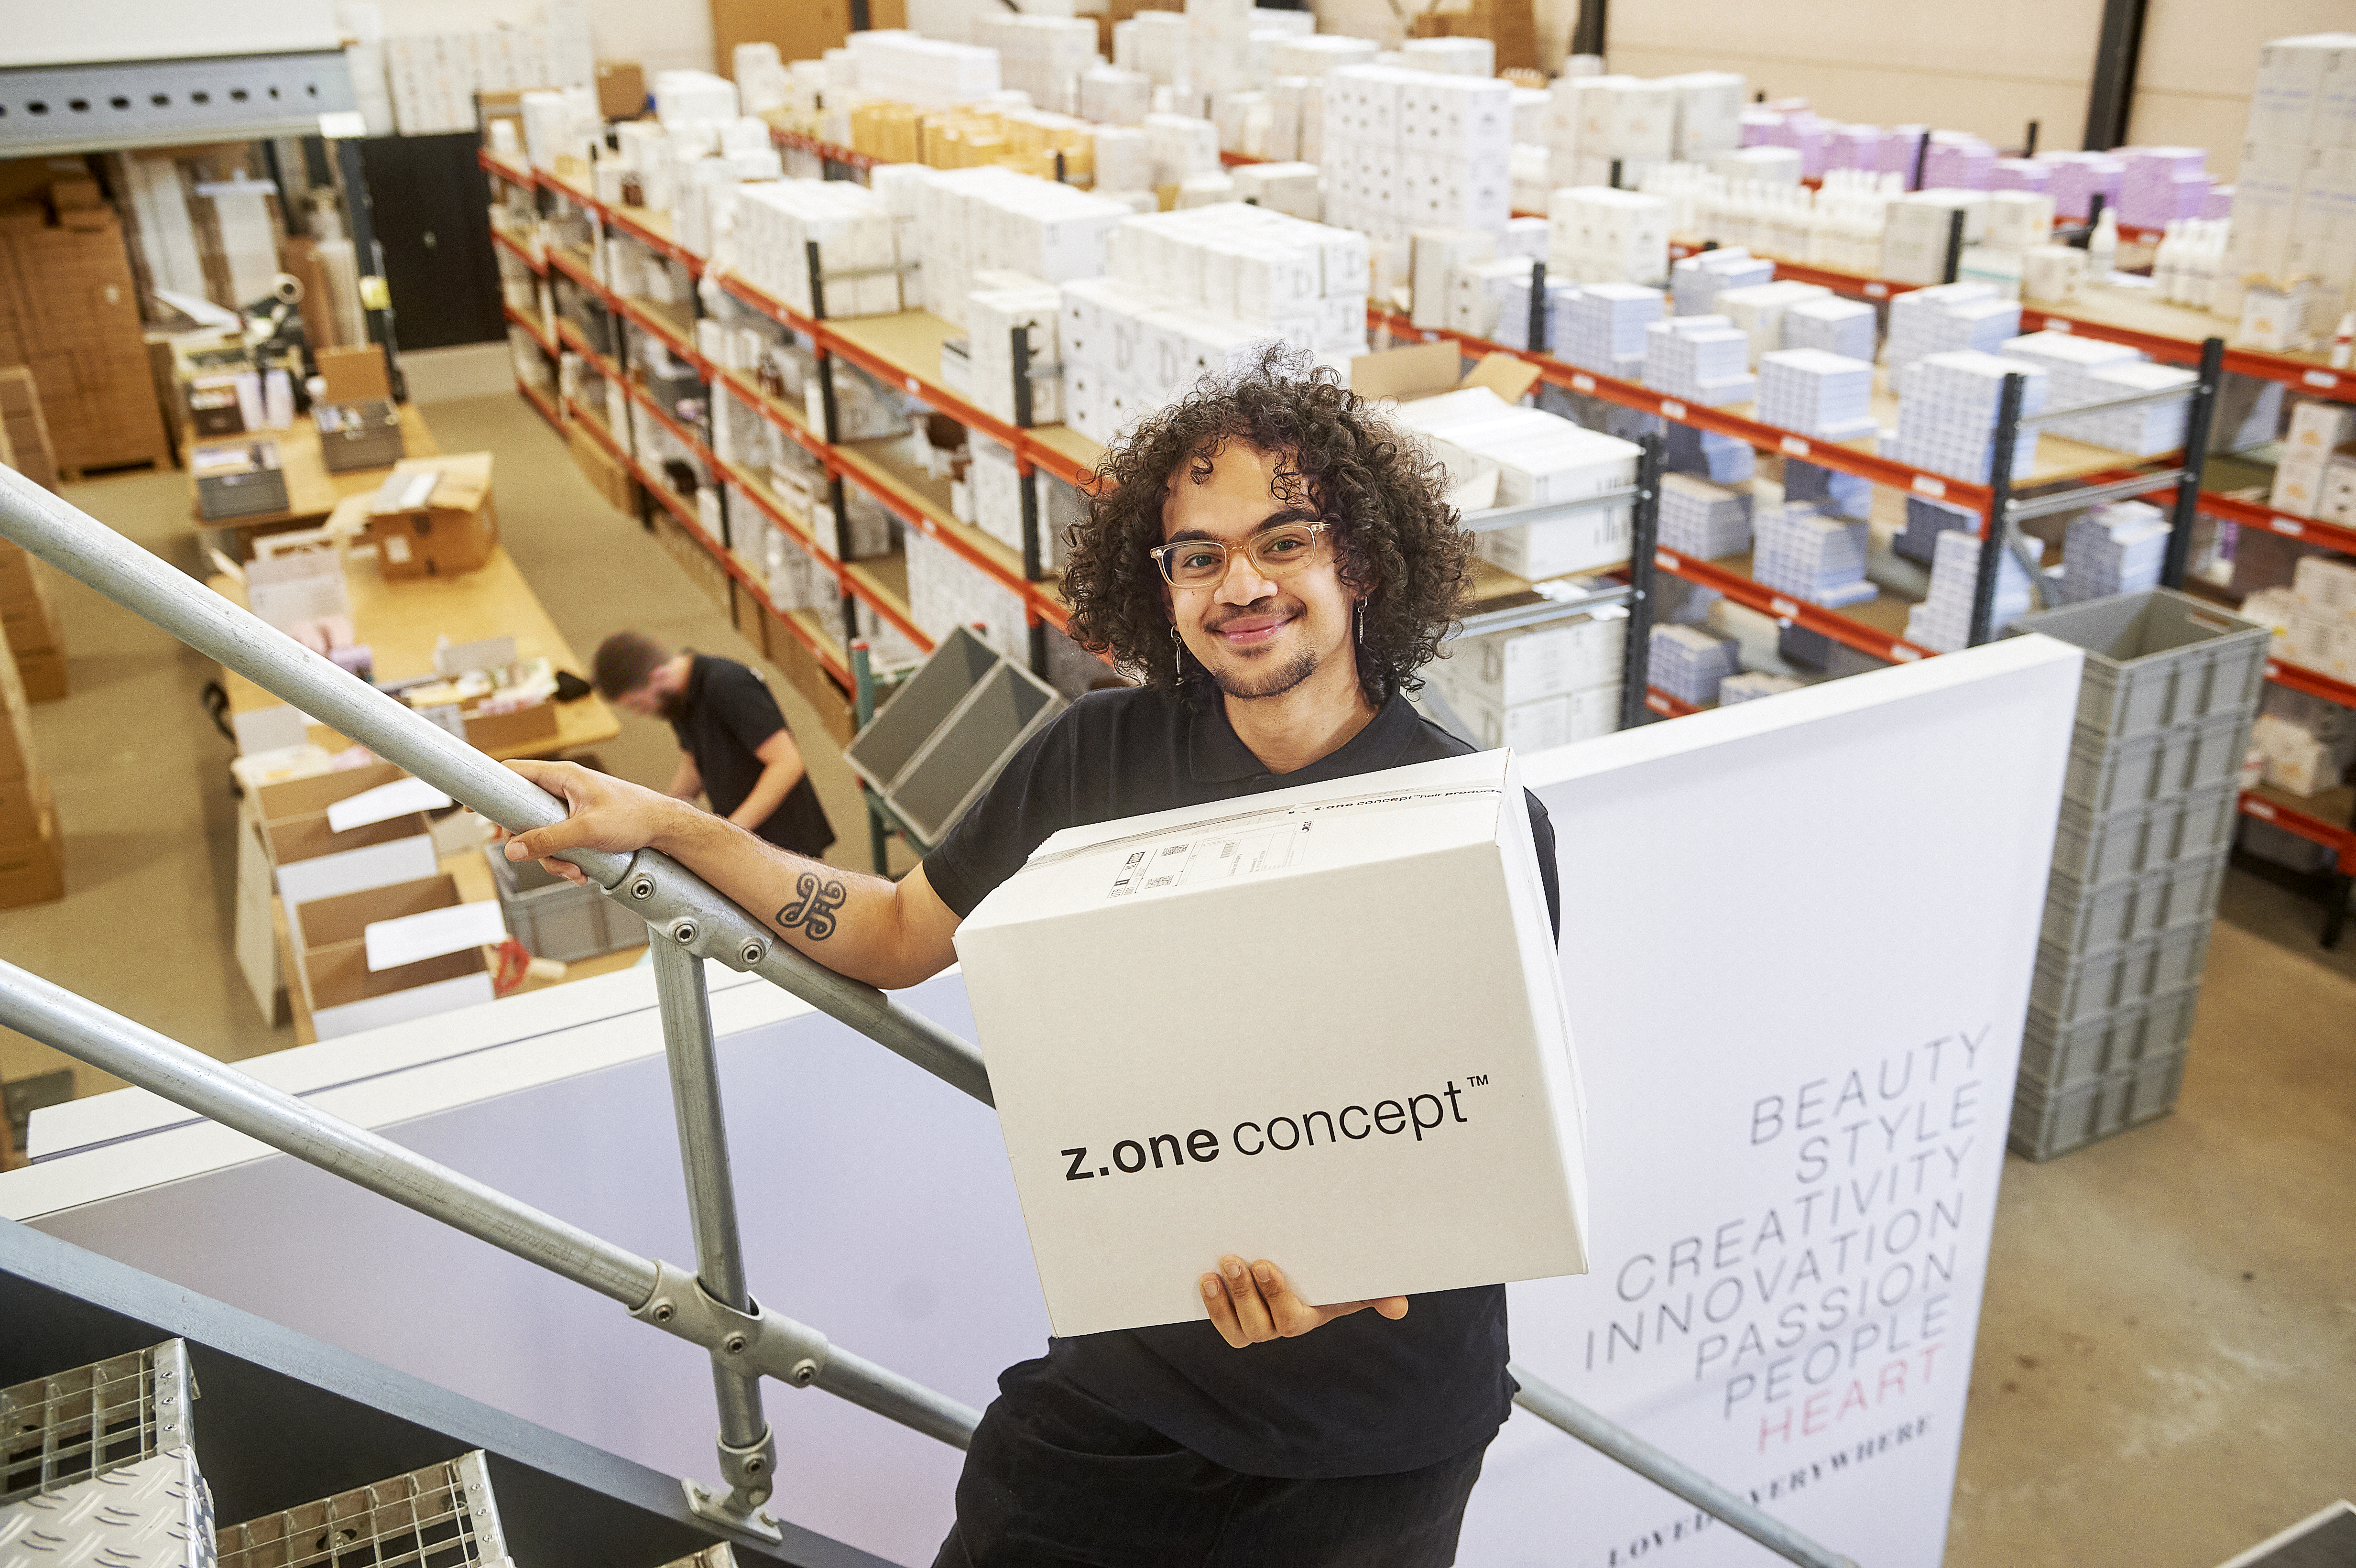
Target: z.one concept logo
{"points": [[1432, 1113]]}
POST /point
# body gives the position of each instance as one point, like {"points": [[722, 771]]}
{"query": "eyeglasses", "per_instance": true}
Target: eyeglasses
{"points": [[1203, 563]]}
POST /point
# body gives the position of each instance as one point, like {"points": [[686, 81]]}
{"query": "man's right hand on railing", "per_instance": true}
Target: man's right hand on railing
{"points": [[886, 933]]}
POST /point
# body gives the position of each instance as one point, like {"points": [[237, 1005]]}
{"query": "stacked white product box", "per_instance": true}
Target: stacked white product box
{"points": [[2085, 370], [1800, 551], [2315, 618], [1846, 327], [1545, 686], [1111, 96], [1699, 359], [1411, 149], [1479, 291], [2317, 476], [1919, 231], [1757, 310], [1296, 119], [1708, 113], [946, 591], [1599, 235], [990, 218], [1689, 663], [689, 96], [1605, 327], [1512, 325], [1220, 47], [1828, 396], [1291, 188], [1702, 519], [2294, 206], [1722, 459], [762, 79], [1829, 489], [1155, 43], [775, 223], [1945, 318], [991, 318], [1181, 145], [1753, 685], [1433, 257], [996, 487], [1452, 56], [2117, 548], [1315, 53], [1942, 622], [430, 79], [1947, 406], [1696, 282], [1926, 520], [559, 124], [1540, 458], [1766, 165], [2018, 219], [1043, 56], [2307, 743], [930, 73]]}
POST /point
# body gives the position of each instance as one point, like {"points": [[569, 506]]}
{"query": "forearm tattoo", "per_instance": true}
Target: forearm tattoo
{"points": [[814, 911]]}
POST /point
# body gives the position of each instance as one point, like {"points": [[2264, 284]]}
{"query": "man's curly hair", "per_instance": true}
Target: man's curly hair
{"points": [[1395, 539]]}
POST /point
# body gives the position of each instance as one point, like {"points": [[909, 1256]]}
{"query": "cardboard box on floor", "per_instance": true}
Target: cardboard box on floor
{"points": [[29, 622], [454, 532], [1402, 1112], [344, 994], [32, 855]]}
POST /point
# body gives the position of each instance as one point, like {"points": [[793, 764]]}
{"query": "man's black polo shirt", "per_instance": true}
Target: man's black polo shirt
{"points": [[727, 715], [1363, 1395]]}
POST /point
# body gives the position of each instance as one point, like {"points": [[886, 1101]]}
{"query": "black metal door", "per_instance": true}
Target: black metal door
{"points": [[428, 196]]}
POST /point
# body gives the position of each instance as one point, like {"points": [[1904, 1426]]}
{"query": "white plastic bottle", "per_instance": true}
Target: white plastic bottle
{"points": [[2103, 248], [2167, 260]]}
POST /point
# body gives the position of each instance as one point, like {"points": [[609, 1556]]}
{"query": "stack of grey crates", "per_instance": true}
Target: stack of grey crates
{"points": [[98, 1465], [2164, 712]]}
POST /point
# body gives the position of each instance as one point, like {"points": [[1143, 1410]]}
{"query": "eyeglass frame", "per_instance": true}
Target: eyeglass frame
{"points": [[1228, 552]]}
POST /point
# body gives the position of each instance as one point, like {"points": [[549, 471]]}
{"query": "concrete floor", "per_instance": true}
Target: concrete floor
{"points": [[2168, 1355]]}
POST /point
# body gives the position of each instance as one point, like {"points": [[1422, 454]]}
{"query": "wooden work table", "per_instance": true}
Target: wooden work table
{"points": [[400, 622], [310, 491]]}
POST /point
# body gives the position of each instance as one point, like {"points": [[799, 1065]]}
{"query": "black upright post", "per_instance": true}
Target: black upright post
{"points": [[1587, 31], [2197, 420], [2029, 146], [1921, 157], [1540, 339], [1954, 267], [1022, 378], [1993, 543], [1039, 648], [1642, 537], [2110, 98], [370, 257], [818, 281], [1033, 563]]}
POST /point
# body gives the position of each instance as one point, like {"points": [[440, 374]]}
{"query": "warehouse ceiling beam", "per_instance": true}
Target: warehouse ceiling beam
{"points": [[116, 104]]}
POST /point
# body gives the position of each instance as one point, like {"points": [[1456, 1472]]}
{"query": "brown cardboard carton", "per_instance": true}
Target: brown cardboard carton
{"points": [[355, 375], [43, 674], [33, 869], [22, 801], [751, 620], [335, 949], [305, 797], [599, 467], [454, 532], [516, 727], [621, 90]]}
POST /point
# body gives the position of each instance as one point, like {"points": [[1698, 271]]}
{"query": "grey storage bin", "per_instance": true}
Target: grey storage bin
{"points": [[2096, 850], [553, 918], [2204, 819], [2217, 746], [242, 483], [354, 436], [2155, 659], [2049, 1122], [2184, 892], [1008, 706], [2090, 920], [882, 751], [2104, 776], [2069, 987], [2062, 1056]]}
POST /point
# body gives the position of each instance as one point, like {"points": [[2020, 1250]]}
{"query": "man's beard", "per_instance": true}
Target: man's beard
{"points": [[671, 707], [1249, 686]]}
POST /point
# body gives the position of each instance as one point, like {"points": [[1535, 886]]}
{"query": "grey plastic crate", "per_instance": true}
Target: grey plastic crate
{"points": [[2186, 891], [2096, 850], [2218, 744], [2070, 987], [554, 919], [2065, 1055], [1005, 710], [2155, 659], [882, 751], [2204, 819], [2046, 1122], [2107, 775], [2091, 919]]}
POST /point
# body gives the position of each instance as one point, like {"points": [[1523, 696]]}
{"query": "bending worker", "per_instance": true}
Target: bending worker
{"points": [[1274, 561], [734, 745]]}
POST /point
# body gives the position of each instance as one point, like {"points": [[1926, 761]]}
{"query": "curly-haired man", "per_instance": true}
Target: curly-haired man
{"points": [[1273, 561]]}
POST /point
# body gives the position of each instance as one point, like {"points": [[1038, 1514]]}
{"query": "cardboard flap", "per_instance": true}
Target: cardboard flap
{"points": [[302, 798], [327, 922], [1413, 372], [1508, 375], [465, 479]]}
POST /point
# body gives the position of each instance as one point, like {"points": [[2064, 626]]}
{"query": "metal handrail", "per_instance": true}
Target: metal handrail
{"points": [[688, 916]]}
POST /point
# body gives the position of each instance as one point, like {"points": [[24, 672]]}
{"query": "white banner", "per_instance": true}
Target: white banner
{"points": [[1799, 1048]]}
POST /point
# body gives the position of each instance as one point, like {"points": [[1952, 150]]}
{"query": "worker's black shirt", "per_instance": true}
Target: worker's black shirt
{"points": [[727, 716], [1363, 1395]]}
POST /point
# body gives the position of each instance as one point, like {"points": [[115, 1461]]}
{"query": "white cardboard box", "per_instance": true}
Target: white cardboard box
{"points": [[1404, 1028]]}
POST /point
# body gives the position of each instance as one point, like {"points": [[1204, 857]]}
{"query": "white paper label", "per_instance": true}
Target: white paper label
{"points": [[396, 799], [396, 549], [1672, 409], [1193, 861], [1784, 607], [2286, 528], [1900, 654], [1878, 291], [2258, 808], [2323, 378], [1583, 383], [1930, 486], [1795, 446], [414, 938]]}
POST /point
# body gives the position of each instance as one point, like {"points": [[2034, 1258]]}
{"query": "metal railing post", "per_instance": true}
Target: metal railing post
{"points": [[749, 1451], [1666, 1471]]}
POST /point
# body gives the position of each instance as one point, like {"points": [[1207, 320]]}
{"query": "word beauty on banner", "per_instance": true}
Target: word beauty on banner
{"points": [[1798, 1097]]}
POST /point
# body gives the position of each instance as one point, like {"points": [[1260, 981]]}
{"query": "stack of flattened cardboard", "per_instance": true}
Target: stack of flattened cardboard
{"points": [[32, 856], [25, 443], [69, 313], [35, 643]]}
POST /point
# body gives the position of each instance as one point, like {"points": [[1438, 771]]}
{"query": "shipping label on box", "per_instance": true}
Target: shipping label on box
{"points": [[1403, 1113]]}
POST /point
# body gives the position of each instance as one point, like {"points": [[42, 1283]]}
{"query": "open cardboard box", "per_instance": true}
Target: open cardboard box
{"points": [[454, 532], [331, 954], [1428, 369], [311, 861]]}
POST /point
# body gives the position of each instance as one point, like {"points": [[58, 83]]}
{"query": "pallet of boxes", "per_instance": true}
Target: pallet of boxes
{"points": [[26, 615], [32, 854]]}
